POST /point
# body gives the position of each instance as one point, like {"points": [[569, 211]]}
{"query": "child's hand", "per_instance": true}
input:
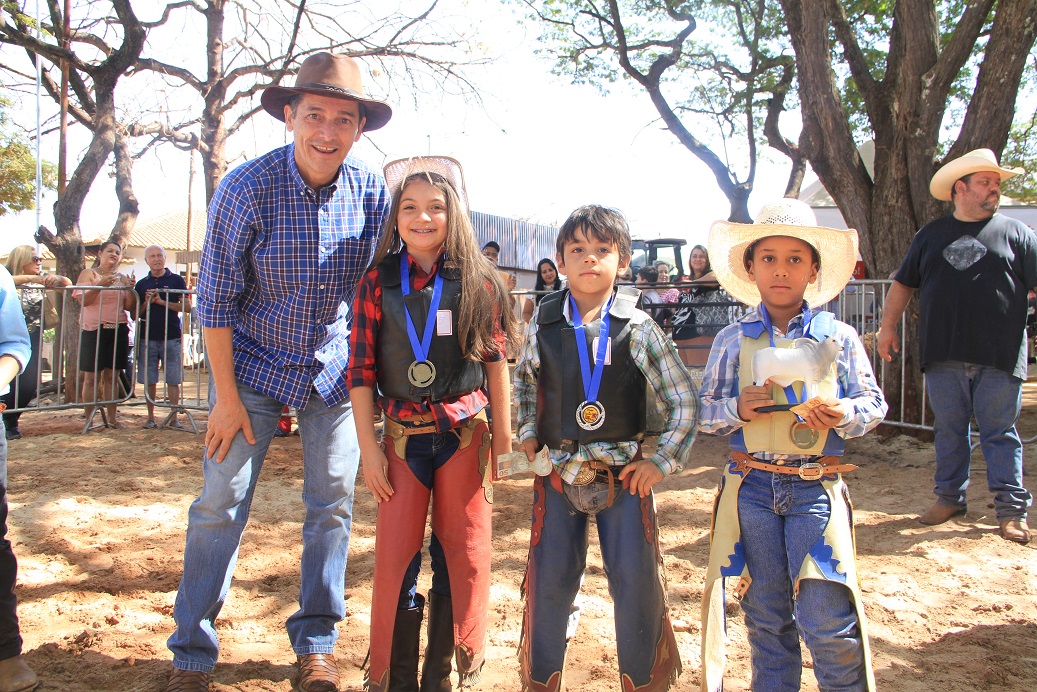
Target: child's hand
{"points": [[826, 416], [530, 447], [640, 476], [376, 474], [752, 398]]}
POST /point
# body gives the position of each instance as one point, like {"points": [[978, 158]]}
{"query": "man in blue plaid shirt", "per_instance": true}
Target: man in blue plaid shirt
{"points": [[290, 235]]}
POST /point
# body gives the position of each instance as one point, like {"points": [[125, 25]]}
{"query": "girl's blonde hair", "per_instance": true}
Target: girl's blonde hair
{"points": [[483, 314], [18, 257]]}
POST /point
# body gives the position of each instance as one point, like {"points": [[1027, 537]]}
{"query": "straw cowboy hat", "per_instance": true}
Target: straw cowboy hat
{"points": [[325, 74], [399, 170], [973, 162], [729, 241]]}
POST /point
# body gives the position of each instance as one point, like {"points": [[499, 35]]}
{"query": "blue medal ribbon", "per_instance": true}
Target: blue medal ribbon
{"points": [[591, 380], [790, 393], [420, 348]]}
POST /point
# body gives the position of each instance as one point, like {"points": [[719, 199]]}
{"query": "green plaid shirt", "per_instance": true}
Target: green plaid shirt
{"points": [[657, 359]]}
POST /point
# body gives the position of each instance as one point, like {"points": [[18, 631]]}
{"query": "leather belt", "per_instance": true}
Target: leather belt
{"points": [[394, 428], [807, 471]]}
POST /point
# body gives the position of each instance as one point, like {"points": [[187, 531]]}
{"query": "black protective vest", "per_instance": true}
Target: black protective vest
{"points": [[560, 382], [455, 374]]}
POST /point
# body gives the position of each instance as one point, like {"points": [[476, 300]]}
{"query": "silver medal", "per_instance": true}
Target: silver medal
{"points": [[802, 436], [421, 373]]}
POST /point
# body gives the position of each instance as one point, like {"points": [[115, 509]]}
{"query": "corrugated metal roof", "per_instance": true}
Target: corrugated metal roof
{"points": [[170, 231]]}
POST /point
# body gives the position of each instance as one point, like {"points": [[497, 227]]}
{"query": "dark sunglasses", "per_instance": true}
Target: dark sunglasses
{"points": [[37, 259]]}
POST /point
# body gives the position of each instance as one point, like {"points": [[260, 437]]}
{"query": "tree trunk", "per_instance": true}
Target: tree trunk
{"points": [[128, 207]]}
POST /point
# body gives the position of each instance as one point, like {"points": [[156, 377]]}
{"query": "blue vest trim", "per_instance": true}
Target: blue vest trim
{"points": [[823, 556]]}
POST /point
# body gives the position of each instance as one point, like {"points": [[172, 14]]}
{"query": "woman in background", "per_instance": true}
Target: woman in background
{"points": [[694, 327], [25, 266], [548, 279]]}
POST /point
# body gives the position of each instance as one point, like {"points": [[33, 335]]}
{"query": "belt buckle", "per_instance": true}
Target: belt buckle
{"points": [[585, 475], [811, 471]]}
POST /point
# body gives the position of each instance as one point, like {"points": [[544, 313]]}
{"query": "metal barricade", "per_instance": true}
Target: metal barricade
{"points": [[182, 358], [45, 382]]}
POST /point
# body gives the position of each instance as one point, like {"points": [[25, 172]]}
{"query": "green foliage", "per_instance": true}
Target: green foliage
{"points": [[1022, 151], [18, 168]]}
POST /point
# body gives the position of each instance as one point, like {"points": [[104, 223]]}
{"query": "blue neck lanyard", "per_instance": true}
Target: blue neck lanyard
{"points": [[790, 393], [591, 379], [420, 348]]}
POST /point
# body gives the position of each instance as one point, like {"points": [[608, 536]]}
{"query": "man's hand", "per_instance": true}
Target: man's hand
{"points": [[751, 398], [826, 416], [639, 476], [376, 473], [530, 447], [887, 343], [227, 418]]}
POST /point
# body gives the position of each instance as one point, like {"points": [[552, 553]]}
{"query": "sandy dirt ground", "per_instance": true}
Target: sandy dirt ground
{"points": [[98, 521]]}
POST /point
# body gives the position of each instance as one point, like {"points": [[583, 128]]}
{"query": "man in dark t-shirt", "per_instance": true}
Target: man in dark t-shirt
{"points": [[972, 270], [159, 332]]}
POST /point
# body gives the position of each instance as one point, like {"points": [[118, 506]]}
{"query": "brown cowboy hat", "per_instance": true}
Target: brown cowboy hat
{"points": [[326, 74]]}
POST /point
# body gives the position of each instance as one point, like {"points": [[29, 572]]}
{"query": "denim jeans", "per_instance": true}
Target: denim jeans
{"points": [[10, 638], [218, 517], [557, 563], [781, 518], [957, 392], [425, 454]]}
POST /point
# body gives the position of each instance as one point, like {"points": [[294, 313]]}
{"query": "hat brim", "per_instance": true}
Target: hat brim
{"points": [[376, 113], [943, 181], [728, 242], [399, 170]]}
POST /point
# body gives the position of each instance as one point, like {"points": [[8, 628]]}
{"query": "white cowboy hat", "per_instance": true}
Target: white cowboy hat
{"points": [[399, 170], [729, 241], [973, 162]]}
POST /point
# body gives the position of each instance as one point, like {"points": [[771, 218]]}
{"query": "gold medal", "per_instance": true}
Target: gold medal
{"points": [[590, 415], [585, 475]]}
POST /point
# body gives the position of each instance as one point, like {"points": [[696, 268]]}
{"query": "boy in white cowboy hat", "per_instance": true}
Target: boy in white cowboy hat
{"points": [[782, 521], [290, 235], [973, 270]]}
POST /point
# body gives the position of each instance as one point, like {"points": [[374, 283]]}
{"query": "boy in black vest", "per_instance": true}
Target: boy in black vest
{"points": [[586, 399]]}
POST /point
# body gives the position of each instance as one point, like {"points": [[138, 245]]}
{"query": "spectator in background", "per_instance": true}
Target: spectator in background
{"points": [[663, 268], [647, 277], [15, 352], [548, 279], [491, 251], [159, 315], [105, 342], [25, 264], [698, 320]]}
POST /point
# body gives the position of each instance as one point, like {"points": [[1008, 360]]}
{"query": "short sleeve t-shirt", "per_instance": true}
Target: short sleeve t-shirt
{"points": [[972, 278], [165, 323]]}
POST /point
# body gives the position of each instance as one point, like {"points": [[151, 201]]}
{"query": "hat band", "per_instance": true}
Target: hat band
{"points": [[331, 87]]}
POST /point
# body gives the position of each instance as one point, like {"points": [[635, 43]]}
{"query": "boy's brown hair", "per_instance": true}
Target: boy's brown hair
{"points": [[601, 223]]}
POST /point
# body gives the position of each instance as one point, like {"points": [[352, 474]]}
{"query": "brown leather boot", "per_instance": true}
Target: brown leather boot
{"points": [[16, 675], [188, 681], [318, 673]]}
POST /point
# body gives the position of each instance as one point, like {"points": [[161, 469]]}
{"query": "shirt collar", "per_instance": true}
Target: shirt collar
{"points": [[752, 323]]}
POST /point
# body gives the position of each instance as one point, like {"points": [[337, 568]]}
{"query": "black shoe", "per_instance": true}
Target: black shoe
{"points": [[14, 434], [439, 653], [403, 661]]}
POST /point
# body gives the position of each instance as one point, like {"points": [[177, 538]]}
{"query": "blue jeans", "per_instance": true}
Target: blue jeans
{"points": [[957, 392], [781, 518], [425, 454], [217, 518]]}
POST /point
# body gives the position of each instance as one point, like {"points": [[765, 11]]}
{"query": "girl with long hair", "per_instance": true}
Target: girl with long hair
{"points": [[431, 320]]}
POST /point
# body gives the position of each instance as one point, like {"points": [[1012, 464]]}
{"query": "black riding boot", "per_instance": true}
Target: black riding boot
{"points": [[439, 654], [403, 662]]}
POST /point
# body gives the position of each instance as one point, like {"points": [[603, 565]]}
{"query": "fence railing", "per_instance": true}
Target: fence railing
{"points": [[88, 378]]}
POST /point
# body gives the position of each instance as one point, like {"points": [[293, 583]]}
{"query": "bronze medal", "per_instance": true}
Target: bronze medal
{"points": [[802, 436], [590, 415], [421, 373]]}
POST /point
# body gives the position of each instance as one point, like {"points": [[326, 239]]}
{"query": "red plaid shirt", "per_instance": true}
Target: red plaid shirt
{"points": [[363, 349]]}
